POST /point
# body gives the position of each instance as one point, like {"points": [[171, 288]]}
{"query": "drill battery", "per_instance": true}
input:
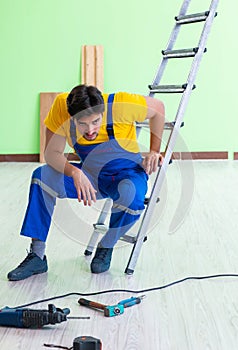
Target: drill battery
{"points": [[87, 343]]}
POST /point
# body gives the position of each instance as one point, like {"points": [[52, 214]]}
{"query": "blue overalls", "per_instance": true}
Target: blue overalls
{"points": [[114, 172]]}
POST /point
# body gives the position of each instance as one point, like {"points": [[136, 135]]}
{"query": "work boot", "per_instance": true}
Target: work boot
{"points": [[31, 265], [102, 259]]}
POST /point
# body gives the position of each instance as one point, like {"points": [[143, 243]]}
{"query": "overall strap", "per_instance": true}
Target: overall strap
{"points": [[110, 130], [73, 132]]}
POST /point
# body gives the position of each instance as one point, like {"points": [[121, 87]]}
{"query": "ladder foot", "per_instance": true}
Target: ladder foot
{"points": [[87, 252], [129, 271]]}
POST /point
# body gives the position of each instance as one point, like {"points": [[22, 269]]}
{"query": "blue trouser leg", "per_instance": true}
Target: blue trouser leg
{"points": [[127, 192], [128, 203], [47, 184]]}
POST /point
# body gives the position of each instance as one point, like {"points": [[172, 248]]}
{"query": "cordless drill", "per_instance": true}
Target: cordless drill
{"points": [[30, 318]]}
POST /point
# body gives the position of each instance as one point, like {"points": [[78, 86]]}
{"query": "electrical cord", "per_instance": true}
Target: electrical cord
{"points": [[57, 346], [129, 290]]}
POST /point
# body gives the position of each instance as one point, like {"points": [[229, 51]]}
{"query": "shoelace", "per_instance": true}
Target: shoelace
{"points": [[25, 261]]}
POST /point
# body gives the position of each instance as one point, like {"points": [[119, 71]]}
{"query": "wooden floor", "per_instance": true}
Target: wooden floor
{"points": [[193, 233]]}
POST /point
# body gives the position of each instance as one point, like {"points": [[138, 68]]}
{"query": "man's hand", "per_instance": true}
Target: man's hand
{"points": [[54, 156], [85, 190], [151, 162]]}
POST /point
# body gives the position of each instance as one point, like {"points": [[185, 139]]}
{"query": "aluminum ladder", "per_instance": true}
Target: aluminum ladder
{"points": [[185, 89]]}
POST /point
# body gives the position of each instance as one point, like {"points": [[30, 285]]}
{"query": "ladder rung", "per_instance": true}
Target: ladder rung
{"points": [[169, 88], [144, 124], [170, 125], [195, 17], [167, 126], [128, 238], [100, 228], [131, 239], [183, 53], [147, 200]]}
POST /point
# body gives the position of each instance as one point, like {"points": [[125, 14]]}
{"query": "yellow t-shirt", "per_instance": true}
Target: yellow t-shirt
{"points": [[126, 110]]}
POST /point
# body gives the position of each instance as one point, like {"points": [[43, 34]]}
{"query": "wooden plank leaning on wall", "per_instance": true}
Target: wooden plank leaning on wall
{"points": [[91, 74], [92, 66]]}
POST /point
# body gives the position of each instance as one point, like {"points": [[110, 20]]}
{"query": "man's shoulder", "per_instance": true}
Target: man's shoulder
{"points": [[62, 96], [123, 96]]}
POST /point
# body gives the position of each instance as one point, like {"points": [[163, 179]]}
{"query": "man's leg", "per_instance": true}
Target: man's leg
{"points": [[47, 184], [128, 196]]}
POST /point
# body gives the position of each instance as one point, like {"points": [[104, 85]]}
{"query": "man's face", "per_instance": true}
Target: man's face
{"points": [[89, 126]]}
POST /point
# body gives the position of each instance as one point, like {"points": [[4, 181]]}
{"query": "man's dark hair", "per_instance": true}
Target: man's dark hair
{"points": [[85, 100]]}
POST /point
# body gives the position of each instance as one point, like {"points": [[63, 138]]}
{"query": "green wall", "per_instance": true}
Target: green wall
{"points": [[41, 48]]}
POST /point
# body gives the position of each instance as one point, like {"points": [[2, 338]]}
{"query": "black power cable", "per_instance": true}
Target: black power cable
{"points": [[57, 346], [129, 290]]}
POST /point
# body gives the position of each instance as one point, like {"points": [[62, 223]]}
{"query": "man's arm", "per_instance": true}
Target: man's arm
{"points": [[54, 156], [156, 116]]}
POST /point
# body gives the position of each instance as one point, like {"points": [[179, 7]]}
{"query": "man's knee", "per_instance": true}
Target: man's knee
{"points": [[130, 194], [45, 173], [50, 180], [37, 173]]}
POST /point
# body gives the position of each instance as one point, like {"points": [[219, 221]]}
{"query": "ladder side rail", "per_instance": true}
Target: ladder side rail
{"points": [[170, 45], [184, 7], [149, 209], [193, 71], [101, 221], [172, 140], [92, 242], [201, 46], [186, 95], [176, 28], [105, 211]]}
